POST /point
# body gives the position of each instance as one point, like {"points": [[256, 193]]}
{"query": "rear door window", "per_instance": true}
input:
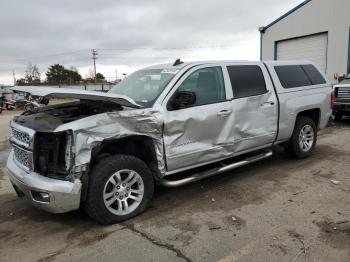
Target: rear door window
{"points": [[314, 75], [292, 76], [246, 80]]}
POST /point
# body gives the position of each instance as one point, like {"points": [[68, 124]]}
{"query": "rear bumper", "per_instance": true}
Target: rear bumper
{"points": [[51, 195]]}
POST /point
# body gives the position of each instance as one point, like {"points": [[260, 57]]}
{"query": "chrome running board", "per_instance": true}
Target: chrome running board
{"points": [[214, 171]]}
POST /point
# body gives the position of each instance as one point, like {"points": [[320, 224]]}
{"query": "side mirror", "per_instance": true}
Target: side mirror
{"points": [[183, 99]]}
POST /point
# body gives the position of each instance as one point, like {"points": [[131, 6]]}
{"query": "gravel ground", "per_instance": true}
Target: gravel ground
{"points": [[279, 209]]}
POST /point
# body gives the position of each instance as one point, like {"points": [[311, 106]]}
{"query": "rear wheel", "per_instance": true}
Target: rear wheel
{"points": [[120, 187], [304, 138]]}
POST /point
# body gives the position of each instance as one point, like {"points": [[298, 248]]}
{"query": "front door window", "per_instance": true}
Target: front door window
{"points": [[207, 84]]}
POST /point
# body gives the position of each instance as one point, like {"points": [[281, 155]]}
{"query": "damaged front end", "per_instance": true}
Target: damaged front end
{"points": [[46, 186], [51, 151], [65, 135], [55, 144]]}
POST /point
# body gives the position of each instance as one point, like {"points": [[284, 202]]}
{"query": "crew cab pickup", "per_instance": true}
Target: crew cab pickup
{"points": [[167, 125]]}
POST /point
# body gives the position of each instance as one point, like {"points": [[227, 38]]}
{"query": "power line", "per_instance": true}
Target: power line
{"points": [[165, 48], [103, 57], [43, 56], [114, 49], [66, 58]]}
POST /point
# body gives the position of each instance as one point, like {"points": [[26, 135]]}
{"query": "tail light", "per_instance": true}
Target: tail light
{"points": [[332, 99]]}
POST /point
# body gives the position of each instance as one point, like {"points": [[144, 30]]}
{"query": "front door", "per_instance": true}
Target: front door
{"points": [[198, 134]]}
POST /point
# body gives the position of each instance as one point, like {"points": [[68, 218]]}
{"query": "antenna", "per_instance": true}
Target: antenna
{"points": [[178, 62]]}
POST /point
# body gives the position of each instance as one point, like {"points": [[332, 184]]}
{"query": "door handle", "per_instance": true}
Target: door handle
{"points": [[224, 113], [269, 103]]}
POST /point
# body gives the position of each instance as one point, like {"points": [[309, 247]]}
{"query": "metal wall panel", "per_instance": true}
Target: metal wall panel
{"points": [[311, 48]]}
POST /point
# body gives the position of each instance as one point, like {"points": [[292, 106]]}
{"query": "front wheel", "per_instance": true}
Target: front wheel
{"points": [[304, 138], [120, 187]]}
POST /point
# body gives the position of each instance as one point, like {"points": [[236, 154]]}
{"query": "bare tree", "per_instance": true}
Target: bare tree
{"points": [[32, 75], [90, 74]]}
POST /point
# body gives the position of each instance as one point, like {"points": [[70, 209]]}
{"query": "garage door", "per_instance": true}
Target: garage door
{"points": [[311, 48]]}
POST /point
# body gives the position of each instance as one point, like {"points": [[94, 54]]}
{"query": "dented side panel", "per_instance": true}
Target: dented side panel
{"points": [[198, 134], [207, 133], [90, 132], [255, 121]]}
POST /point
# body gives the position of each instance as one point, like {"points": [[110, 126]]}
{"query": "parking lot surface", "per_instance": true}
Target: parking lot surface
{"points": [[279, 209]]}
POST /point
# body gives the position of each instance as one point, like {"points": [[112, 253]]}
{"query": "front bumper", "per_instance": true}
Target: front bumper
{"points": [[341, 108], [60, 196]]}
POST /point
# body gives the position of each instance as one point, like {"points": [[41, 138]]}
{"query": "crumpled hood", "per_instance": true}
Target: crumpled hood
{"points": [[51, 92]]}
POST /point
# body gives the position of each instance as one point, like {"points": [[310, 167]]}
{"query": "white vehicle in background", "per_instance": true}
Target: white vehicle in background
{"points": [[169, 124]]}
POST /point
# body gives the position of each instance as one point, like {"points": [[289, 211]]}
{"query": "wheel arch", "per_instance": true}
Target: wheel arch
{"points": [[314, 114], [142, 147]]}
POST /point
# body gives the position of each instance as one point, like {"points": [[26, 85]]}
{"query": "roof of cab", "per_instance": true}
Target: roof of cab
{"points": [[194, 63], [170, 65], [288, 62]]}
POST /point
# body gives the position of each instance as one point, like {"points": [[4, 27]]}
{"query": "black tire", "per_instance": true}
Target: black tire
{"points": [[293, 146], [101, 173], [338, 117]]}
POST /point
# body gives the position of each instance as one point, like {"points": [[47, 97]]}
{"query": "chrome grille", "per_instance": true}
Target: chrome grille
{"points": [[22, 140], [23, 157], [343, 92], [21, 136]]}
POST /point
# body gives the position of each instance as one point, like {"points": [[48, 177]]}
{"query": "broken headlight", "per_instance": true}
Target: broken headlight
{"points": [[53, 154]]}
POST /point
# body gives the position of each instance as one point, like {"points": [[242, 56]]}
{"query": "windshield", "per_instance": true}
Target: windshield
{"points": [[145, 86], [347, 76]]}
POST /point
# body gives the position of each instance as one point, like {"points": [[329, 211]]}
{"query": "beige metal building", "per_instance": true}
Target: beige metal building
{"points": [[315, 30]]}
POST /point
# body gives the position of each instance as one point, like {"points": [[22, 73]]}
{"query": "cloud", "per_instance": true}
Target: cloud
{"points": [[129, 34]]}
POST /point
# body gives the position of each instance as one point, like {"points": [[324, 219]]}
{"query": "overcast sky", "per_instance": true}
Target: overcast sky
{"points": [[129, 34]]}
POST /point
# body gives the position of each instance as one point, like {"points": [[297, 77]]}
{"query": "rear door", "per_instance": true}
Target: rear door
{"points": [[254, 105]]}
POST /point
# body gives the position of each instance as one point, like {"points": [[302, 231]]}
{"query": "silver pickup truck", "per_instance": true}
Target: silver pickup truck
{"points": [[167, 125]]}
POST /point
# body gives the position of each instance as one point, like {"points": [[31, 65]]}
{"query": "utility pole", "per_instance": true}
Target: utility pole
{"points": [[116, 76], [14, 77], [94, 57]]}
